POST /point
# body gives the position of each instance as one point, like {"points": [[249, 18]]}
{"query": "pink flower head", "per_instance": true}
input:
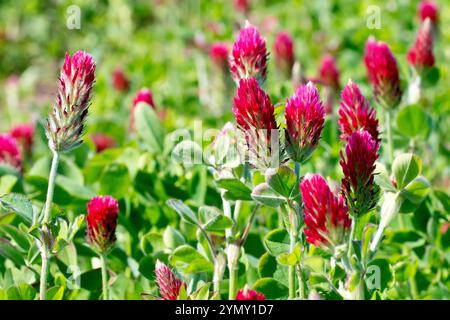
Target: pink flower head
{"points": [[249, 294], [420, 56], [219, 54], [428, 9], [242, 6], [356, 113], [24, 134], [142, 96], [358, 166], [102, 222], [65, 125], [9, 152], [329, 73], [254, 115], [249, 55], [169, 284], [102, 142], [284, 52], [305, 116], [382, 72], [326, 215], [119, 80]]}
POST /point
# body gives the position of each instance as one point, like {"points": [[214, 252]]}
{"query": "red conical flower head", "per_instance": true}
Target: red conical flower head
{"points": [[169, 284], [249, 294], [329, 73], [9, 152], [249, 55], [356, 113], [102, 222], [326, 215], [382, 72], [358, 165], [420, 56], [305, 117], [284, 52]]}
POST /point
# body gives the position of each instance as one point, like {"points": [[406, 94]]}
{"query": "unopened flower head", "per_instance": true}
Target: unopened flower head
{"points": [[102, 142], [305, 116], [326, 215], [169, 284], [102, 222], [358, 165], [329, 73], [356, 113], [428, 9], [219, 53], [420, 56], [142, 96], [249, 294], [120, 80], [9, 152], [382, 72], [254, 115], [24, 134], [249, 55], [65, 124], [284, 52]]}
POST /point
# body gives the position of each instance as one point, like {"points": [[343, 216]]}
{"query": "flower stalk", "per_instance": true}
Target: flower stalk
{"points": [[105, 289]]}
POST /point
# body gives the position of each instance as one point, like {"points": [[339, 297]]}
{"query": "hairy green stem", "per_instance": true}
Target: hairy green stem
{"points": [[291, 279], [351, 238], [45, 232], [104, 277]]}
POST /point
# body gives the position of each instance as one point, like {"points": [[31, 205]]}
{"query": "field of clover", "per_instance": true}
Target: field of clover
{"points": [[205, 150]]}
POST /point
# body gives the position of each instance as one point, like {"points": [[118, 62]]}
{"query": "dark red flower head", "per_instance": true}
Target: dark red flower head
{"points": [[358, 165], [249, 55], [9, 152], [24, 134], [305, 117], [249, 294], [254, 115], [284, 52], [219, 53], [242, 6], [144, 95], [428, 9], [120, 80], [356, 113], [382, 72], [326, 215], [169, 284], [420, 56], [329, 73], [65, 125], [102, 222], [102, 142]]}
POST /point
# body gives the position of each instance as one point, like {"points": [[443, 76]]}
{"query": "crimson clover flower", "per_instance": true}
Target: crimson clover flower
{"points": [[65, 124], [420, 56], [9, 152], [219, 53], [358, 165], [119, 80], [356, 113], [325, 214], [102, 222], [249, 55], [249, 294], [428, 9], [305, 116], [142, 96], [169, 284], [102, 142], [24, 135], [382, 72], [254, 115], [329, 73], [284, 52]]}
